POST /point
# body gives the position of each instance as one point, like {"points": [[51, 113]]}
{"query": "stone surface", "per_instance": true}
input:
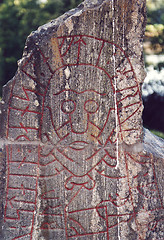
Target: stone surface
{"points": [[73, 144]]}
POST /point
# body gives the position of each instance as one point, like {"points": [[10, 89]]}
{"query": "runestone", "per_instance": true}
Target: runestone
{"points": [[75, 165]]}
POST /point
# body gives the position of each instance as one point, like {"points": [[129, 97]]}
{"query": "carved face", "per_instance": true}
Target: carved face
{"points": [[81, 113]]}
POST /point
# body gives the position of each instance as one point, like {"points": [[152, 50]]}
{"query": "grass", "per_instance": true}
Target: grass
{"points": [[159, 134]]}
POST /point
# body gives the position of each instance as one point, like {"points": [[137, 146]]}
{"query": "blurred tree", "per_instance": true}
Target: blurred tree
{"points": [[9, 41], [17, 19], [154, 4], [57, 7], [155, 27], [53, 8]]}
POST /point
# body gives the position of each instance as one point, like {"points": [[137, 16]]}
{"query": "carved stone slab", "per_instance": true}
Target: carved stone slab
{"points": [[72, 135]]}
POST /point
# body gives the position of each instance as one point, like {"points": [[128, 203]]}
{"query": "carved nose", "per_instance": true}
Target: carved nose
{"points": [[79, 121]]}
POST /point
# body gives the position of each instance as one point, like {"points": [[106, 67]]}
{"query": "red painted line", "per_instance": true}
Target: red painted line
{"points": [[34, 79], [22, 175], [61, 45], [46, 164], [36, 188], [110, 155], [49, 207], [96, 38], [45, 60], [130, 115], [48, 154], [105, 122], [76, 232], [131, 197], [8, 172], [79, 42], [104, 175], [23, 189], [77, 223], [62, 125], [50, 176], [34, 91], [42, 196], [24, 110], [136, 103], [128, 130], [135, 159], [32, 163], [146, 174], [127, 88], [107, 222], [18, 214], [95, 125], [88, 64], [21, 236], [71, 160], [23, 127], [122, 222], [28, 189], [148, 197], [22, 201], [109, 165], [100, 53], [82, 210], [10, 201], [129, 95], [24, 136], [108, 139], [50, 111], [67, 48], [22, 162], [28, 60]]}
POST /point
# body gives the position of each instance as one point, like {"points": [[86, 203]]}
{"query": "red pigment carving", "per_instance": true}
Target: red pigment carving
{"points": [[64, 164]]}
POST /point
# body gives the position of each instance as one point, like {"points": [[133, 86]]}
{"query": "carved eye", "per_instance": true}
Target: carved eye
{"points": [[91, 106], [68, 106]]}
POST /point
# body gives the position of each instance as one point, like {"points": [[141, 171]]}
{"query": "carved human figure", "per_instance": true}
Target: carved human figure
{"points": [[80, 115], [90, 105], [81, 111]]}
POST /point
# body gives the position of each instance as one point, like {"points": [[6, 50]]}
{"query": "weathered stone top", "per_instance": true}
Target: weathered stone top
{"points": [[95, 39]]}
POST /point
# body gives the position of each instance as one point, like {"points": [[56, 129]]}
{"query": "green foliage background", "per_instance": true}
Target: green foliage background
{"points": [[155, 27], [18, 18]]}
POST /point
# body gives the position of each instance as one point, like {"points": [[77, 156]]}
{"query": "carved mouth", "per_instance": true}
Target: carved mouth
{"points": [[78, 145]]}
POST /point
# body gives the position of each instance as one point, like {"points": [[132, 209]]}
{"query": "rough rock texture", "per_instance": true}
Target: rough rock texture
{"points": [[72, 138]]}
